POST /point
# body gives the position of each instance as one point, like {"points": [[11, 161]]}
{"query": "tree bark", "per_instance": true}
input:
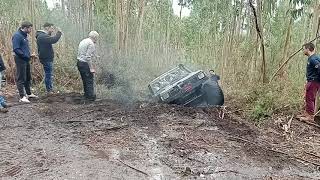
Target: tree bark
{"points": [[282, 73], [258, 21]]}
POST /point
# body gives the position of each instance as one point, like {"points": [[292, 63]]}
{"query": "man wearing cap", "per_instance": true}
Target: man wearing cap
{"points": [[85, 57]]}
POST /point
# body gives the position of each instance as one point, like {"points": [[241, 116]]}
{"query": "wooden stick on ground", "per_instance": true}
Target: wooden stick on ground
{"points": [[133, 168], [310, 123], [276, 151], [287, 126], [317, 156], [87, 112]]}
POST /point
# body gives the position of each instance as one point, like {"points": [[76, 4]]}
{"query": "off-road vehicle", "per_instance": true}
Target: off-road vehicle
{"points": [[182, 86]]}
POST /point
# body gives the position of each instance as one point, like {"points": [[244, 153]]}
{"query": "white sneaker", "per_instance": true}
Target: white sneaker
{"points": [[32, 96], [24, 100]]}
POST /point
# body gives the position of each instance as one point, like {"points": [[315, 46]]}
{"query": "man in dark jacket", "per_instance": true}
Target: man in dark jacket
{"points": [[22, 57], [46, 53]]}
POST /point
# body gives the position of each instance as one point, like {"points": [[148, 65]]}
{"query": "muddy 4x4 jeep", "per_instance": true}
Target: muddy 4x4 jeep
{"points": [[185, 87]]}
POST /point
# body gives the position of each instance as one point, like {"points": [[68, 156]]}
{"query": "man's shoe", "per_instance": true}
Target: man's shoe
{"points": [[308, 118], [24, 100], [50, 93], [90, 99], [32, 96], [6, 105], [3, 110]]}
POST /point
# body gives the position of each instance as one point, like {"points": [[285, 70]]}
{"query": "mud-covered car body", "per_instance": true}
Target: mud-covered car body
{"points": [[182, 86]]}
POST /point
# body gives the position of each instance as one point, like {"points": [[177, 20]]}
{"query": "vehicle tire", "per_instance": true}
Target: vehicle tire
{"points": [[213, 94]]}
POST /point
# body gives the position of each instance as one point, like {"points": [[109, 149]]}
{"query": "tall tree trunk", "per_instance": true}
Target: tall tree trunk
{"points": [[63, 7], [282, 73], [141, 18], [259, 28], [316, 13]]}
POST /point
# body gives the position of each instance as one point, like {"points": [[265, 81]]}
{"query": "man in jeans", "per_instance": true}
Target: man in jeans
{"points": [[86, 54], [313, 81], [22, 57], [46, 53]]}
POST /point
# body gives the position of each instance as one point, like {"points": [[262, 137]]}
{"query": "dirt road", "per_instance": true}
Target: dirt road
{"points": [[62, 138]]}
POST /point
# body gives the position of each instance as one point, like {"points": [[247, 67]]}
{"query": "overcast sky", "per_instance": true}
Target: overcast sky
{"points": [[176, 8]]}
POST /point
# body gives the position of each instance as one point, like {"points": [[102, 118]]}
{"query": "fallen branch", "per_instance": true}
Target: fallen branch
{"points": [[223, 171], [221, 113], [133, 168], [277, 151], [294, 157], [287, 126], [112, 128], [309, 123], [76, 121], [91, 111], [317, 113], [227, 171], [196, 160], [317, 156]]}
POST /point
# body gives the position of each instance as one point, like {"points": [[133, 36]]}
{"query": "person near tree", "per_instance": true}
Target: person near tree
{"points": [[86, 67], [45, 40], [22, 56], [313, 81]]}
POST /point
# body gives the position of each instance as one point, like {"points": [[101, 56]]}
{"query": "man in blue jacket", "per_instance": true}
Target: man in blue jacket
{"points": [[22, 57], [46, 53], [313, 81]]}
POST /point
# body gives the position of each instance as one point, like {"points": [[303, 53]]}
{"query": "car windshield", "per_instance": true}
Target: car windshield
{"points": [[169, 78]]}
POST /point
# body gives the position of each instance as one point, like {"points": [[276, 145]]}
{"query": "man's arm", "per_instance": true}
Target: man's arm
{"points": [[315, 62], [51, 39], [90, 55], [16, 41]]}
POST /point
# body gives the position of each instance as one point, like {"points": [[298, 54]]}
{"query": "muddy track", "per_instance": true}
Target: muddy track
{"points": [[61, 137]]}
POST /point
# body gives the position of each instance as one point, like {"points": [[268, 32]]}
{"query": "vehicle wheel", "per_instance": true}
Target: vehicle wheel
{"points": [[213, 94]]}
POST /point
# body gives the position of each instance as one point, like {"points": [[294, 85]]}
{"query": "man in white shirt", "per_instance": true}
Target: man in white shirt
{"points": [[86, 54]]}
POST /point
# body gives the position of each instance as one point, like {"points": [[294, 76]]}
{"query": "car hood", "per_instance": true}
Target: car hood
{"points": [[167, 89]]}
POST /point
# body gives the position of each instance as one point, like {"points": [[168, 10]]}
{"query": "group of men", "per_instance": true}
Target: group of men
{"points": [[86, 54], [45, 39]]}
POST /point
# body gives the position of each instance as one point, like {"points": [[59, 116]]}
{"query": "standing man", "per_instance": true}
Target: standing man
{"points": [[22, 56], [313, 81], [86, 54], [46, 53]]}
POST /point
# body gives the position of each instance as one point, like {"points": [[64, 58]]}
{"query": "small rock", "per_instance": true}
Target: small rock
{"points": [[187, 171], [164, 135]]}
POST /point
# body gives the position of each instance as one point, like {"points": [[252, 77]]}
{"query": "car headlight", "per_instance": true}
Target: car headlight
{"points": [[201, 75], [164, 96]]}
